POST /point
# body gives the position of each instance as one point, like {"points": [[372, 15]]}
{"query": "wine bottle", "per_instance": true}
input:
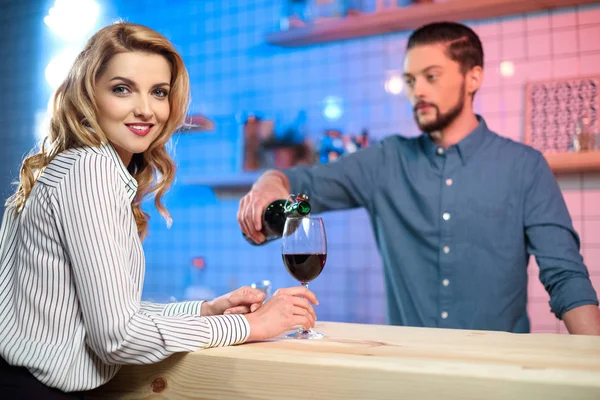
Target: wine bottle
{"points": [[276, 213]]}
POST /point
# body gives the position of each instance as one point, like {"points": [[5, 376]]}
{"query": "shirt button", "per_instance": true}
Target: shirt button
{"points": [[449, 182], [445, 282], [446, 216], [440, 150], [446, 249], [444, 315]]}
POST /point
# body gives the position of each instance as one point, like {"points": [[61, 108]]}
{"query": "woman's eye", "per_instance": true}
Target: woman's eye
{"points": [[161, 93], [120, 90]]}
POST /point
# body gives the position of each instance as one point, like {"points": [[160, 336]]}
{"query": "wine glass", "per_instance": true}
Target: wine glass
{"points": [[304, 252]]}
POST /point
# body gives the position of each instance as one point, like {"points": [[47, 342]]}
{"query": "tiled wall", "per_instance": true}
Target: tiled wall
{"points": [[582, 195], [19, 59], [234, 71]]}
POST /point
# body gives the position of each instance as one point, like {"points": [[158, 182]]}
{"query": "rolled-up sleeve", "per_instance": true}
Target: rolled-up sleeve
{"points": [[348, 182], [555, 244]]}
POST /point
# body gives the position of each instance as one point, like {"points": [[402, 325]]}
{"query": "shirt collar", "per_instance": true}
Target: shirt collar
{"points": [[466, 147], [128, 180]]}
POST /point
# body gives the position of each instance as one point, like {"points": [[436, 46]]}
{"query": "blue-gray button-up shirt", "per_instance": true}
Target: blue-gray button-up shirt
{"points": [[456, 227]]}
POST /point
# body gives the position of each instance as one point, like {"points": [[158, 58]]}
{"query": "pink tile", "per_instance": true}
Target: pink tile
{"points": [[513, 99], [589, 64], [589, 15], [532, 268], [520, 75], [490, 101], [565, 67], [513, 127], [513, 48], [591, 203], [491, 76], [561, 18], [477, 102], [492, 49], [494, 123], [570, 182], [591, 258], [538, 22], [574, 201], [564, 41], [487, 30], [542, 319], [513, 25], [591, 180], [547, 329], [589, 38], [539, 70], [539, 44], [536, 291], [562, 328], [591, 231]]}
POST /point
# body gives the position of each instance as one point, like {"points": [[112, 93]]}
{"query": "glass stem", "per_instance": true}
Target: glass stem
{"points": [[303, 329]]}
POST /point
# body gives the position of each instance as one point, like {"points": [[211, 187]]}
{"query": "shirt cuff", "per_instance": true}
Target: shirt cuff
{"points": [[183, 307], [574, 293], [228, 330]]}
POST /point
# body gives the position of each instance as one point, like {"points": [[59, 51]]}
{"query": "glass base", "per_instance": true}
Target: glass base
{"points": [[309, 334]]}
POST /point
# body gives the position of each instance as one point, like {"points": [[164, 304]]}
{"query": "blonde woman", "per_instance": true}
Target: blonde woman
{"points": [[71, 259]]}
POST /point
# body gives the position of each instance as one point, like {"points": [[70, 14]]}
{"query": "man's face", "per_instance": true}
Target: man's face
{"points": [[435, 86]]}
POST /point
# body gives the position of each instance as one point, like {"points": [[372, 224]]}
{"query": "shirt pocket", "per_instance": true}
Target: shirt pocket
{"points": [[493, 210], [493, 224]]}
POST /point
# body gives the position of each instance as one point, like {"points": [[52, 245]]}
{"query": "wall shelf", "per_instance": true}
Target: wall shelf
{"points": [[242, 181], [574, 162], [409, 18], [226, 186], [219, 180], [236, 185]]}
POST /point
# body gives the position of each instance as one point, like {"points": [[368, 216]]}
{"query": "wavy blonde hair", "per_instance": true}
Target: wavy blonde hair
{"points": [[73, 121]]}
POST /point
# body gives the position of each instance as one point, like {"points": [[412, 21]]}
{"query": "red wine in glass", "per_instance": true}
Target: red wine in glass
{"points": [[304, 252], [304, 267]]}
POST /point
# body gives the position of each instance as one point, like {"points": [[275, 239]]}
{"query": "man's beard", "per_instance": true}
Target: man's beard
{"points": [[441, 121]]}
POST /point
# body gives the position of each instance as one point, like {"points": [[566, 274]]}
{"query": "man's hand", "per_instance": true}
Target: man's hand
{"points": [[273, 185], [241, 301]]}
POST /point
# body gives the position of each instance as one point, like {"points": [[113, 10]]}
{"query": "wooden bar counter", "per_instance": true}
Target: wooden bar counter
{"points": [[371, 362]]}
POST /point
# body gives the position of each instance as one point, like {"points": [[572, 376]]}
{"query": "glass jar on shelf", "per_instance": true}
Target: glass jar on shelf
{"points": [[294, 13], [327, 10], [584, 138]]}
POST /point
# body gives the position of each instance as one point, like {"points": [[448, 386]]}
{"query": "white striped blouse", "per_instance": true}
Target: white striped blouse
{"points": [[71, 276]]}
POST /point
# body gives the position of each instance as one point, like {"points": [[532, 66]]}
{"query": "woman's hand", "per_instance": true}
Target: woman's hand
{"points": [[287, 308], [241, 301]]}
